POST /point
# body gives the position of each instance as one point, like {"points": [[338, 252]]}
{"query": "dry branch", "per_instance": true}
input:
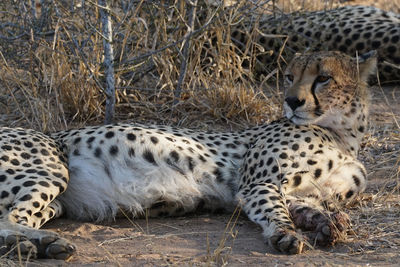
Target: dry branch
{"points": [[108, 61], [186, 45]]}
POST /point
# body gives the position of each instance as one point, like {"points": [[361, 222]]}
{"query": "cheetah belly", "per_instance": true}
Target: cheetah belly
{"points": [[99, 187]]}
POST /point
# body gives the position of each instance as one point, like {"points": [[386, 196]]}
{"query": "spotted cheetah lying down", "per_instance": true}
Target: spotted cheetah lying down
{"points": [[287, 176], [349, 29]]}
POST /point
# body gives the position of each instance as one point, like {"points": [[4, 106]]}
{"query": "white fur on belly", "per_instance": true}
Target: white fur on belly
{"points": [[98, 187]]}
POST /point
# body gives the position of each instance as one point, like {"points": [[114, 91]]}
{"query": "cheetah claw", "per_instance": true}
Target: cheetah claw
{"points": [[286, 241]]}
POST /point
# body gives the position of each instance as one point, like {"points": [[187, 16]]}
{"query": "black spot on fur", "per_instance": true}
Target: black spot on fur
{"points": [[218, 175], [29, 183], [262, 202], [283, 155], [214, 151], [295, 147], [317, 173], [6, 147], [76, 152], [154, 139], [25, 155], [59, 185], [97, 152], [311, 162], [44, 183], [148, 156], [191, 163], [15, 189], [375, 44], [26, 198], [131, 152], [10, 171], [174, 155], [43, 173], [109, 135], [275, 169], [203, 159], [349, 194], [37, 162], [4, 194], [330, 165], [131, 137], [44, 152], [296, 180], [113, 150], [356, 180]]}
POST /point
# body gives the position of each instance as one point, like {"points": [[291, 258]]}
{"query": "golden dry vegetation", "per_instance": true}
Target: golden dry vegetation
{"points": [[52, 74]]}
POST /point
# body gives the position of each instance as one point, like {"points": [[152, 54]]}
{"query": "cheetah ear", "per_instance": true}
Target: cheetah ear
{"points": [[366, 64]]}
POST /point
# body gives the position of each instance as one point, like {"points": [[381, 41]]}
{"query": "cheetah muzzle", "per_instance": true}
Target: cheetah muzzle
{"points": [[288, 176]]}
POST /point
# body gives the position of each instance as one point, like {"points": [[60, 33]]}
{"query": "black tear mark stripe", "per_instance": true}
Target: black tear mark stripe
{"points": [[316, 101]]}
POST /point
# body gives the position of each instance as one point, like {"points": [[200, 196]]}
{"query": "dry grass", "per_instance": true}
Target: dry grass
{"points": [[52, 76]]}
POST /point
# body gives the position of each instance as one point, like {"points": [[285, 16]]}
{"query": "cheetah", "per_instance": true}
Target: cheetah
{"points": [[289, 176], [349, 29]]}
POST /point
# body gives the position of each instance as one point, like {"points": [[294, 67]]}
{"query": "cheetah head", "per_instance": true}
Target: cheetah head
{"points": [[320, 88]]}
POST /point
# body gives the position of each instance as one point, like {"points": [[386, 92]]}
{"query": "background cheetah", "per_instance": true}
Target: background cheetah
{"points": [[285, 175], [349, 29]]}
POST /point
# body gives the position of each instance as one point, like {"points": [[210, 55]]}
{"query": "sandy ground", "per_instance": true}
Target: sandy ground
{"points": [[217, 240]]}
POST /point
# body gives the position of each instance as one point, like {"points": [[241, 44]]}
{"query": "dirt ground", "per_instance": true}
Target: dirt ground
{"points": [[218, 240]]}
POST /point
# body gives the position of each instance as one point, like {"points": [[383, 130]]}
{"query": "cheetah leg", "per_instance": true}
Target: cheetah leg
{"points": [[21, 237], [35, 217], [264, 205]]}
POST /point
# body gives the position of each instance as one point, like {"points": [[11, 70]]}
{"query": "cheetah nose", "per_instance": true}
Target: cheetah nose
{"points": [[294, 102]]}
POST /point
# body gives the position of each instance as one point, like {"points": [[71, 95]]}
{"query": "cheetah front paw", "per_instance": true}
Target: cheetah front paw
{"points": [[35, 244], [330, 228], [53, 247], [286, 241], [320, 228], [14, 244]]}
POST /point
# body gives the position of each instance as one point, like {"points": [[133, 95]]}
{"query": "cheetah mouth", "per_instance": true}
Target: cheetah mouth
{"points": [[296, 119], [300, 117]]}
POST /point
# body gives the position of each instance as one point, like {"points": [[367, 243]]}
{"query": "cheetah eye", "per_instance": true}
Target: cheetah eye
{"points": [[289, 78], [323, 79]]}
